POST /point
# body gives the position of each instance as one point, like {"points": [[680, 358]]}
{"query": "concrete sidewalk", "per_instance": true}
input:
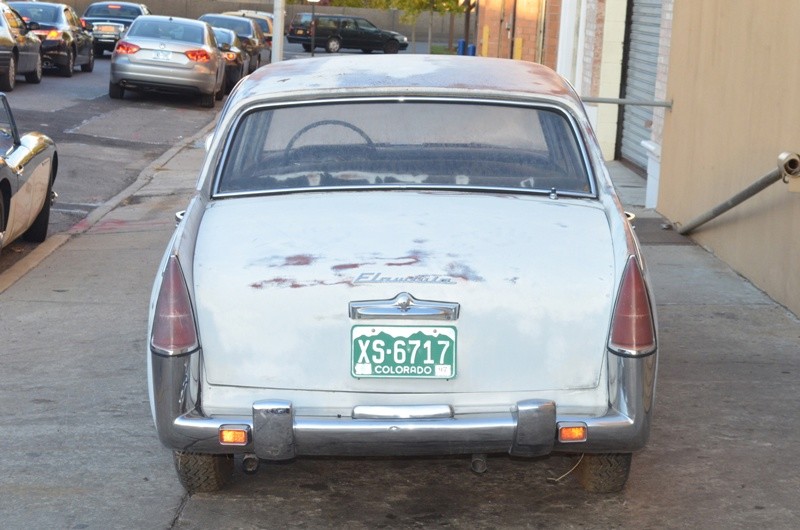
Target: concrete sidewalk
{"points": [[80, 451]]}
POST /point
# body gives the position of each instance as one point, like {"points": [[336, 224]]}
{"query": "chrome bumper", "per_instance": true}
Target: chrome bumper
{"points": [[276, 432]]}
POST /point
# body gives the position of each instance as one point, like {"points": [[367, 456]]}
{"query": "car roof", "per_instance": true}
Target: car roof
{"points": [[411, 74]]}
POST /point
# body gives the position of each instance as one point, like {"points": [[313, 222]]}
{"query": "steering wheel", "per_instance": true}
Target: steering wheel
{"points": [[322, 123]]}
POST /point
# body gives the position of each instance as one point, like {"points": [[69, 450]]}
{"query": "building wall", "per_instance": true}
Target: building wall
{"points": [[512, 29], [733, 75]]}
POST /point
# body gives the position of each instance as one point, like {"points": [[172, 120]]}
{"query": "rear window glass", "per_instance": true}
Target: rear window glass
{"points": [[407, 144], [112, 10], [167, 30]]}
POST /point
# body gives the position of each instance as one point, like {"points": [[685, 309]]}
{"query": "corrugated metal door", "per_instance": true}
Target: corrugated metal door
{"points": [[641, 52]]}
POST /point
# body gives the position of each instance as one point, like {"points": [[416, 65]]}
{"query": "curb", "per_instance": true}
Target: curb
{"points": [[19, 269]]}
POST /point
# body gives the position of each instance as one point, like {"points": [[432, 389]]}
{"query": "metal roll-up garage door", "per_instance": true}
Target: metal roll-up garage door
{"points": [[641, 52]]}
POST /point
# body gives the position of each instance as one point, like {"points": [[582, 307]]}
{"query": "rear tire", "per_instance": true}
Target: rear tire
{"points": [[35, 77], [604, 473], [207, 101], [115, 90], [306, 47], [9, 80], [89, 65], [200, 473], [68, 68]]}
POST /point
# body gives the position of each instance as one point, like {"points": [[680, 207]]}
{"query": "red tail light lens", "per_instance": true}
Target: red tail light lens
{"points": [[632, 326], [174, 330], [230, 57], [126, 48], [198, 56]]}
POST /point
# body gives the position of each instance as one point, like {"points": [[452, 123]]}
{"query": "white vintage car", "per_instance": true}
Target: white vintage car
{"points": [[28, 167], [396, 256]]}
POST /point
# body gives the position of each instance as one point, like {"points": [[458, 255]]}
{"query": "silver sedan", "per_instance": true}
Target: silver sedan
{"points": [[168, 54]]}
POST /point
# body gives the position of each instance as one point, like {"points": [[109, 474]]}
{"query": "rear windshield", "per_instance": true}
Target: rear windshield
{"points": [[405, 144], [238, 26], [32, 12], [113, 11], [167, 30]]}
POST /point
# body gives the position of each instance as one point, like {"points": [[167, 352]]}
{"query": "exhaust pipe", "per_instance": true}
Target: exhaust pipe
{"points": [[478, 464], [250, 464]]}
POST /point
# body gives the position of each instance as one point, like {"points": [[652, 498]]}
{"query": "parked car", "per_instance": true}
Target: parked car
{"points": [[236, 59], [28, 167], [368, 268], [334, 32], [110, 21], [168, 54], [264, 20], [248, 32], [65, 41], [19, 49]]}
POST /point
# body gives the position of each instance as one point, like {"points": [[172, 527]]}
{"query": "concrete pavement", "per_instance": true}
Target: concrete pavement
{"points": [[80, 451]]}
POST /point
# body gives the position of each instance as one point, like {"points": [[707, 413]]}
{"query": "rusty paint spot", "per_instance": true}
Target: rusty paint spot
{"points": [[299, 260], [464, 272], [413, 257], [286, 283], [346, 266]]}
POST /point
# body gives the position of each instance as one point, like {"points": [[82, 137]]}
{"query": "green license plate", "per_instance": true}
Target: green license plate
{"points": [[427, 352]]}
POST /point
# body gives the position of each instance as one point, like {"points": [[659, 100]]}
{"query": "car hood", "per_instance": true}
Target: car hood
{"points": [[534, 278]]}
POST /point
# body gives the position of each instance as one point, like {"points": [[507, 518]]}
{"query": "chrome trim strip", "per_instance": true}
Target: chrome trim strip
{"points": [[403, 306], [402, 412]]}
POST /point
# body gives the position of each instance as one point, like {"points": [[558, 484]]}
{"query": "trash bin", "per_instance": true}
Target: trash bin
{"points": [[462, 47]]}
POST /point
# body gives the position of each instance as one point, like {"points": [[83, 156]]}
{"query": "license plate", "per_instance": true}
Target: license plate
{"points": [[427, 352], [105, 29], [301, 32], [162, 55]]}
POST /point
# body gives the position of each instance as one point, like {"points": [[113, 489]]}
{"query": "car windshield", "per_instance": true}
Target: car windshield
{"points": [[32, 12], [407, 144], [167, 30]]}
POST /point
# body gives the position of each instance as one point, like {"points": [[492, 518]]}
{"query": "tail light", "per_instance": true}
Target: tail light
{"points": [[53, 34], [126, 48], [230, 57], [632, 325], [198, 56], [174, 331]]}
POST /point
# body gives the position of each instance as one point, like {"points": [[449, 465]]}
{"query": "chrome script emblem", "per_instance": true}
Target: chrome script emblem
{"points": [[377, 277]]}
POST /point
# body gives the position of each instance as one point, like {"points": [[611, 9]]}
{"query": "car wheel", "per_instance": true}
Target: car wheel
{"points": [[68, 67], [391, 46], [202, 473], [333, 45], [307, 47], [8, 81], [115, 90], [35, 77], [604, 473], [207, 101], [89, 65], [37, 232], [219, 94]]}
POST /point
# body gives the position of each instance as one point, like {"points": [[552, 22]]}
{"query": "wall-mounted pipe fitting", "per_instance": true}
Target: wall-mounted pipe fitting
{"points": [[788, 169]]}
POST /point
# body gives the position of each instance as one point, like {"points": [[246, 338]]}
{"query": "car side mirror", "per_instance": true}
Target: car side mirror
{"points": [[31, 26], [88, 26]]}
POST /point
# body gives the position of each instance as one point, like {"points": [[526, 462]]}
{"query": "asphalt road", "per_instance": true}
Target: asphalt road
{"points": [[79, 449]]}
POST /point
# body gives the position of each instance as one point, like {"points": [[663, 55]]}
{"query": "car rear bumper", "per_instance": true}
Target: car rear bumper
{"points": [[277, 432], [167, 79]]}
